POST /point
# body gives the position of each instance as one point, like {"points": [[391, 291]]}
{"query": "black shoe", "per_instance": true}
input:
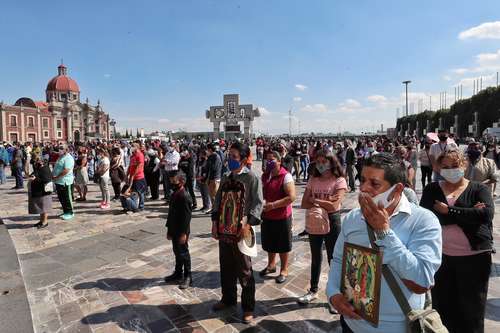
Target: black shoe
{"points": [[267, 271], [186, 283], [303, 233], [175, 277], [41, 225]]}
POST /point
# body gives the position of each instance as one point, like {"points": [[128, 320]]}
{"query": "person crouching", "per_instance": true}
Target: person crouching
{"points": [[178, 227], [129, 199]]}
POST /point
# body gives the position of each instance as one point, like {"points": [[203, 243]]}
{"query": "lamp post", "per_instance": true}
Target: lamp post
{"points": [[406, 86]]}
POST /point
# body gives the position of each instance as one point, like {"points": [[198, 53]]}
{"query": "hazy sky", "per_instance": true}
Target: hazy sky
{"points": [[338, 64]]}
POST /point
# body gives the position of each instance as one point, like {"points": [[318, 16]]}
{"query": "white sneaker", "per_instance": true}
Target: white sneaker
{"points": [[307, 298]]}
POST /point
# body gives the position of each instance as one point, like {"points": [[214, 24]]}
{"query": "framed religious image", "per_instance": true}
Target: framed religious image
{"points": [[360, 280]]}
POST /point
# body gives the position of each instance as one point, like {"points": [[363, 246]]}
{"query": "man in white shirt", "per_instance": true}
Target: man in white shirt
{"points": [[437, 149], [170, 162]]}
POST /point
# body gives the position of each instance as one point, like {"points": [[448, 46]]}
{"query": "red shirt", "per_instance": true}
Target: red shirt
{"points": [[136, 159]]}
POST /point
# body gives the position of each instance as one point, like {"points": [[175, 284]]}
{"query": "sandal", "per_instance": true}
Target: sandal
{"points": [[41, 225], [267, 271]]}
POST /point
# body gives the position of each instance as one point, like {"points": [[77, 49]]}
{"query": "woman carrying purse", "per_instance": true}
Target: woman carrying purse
{"points": [[40, 190], [322, 198]]}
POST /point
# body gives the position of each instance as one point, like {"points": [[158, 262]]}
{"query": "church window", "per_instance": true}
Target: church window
{"points": [[13, 121], [59, 124], [45, 122], [45, 134], [59, 134], [31, 122]]}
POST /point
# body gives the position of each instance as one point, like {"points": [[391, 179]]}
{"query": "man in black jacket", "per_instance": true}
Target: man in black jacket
{"points": [[186, 165], [178, 227], [214, 172], [350, 163]]}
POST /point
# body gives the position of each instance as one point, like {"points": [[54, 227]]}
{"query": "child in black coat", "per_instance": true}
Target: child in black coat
{"points": [[178, 227]]}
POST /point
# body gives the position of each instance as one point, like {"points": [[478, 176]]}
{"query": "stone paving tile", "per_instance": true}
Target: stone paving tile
{"points": [[102, 272]]}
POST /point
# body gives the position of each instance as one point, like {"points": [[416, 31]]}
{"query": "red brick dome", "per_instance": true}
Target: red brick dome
{"points": [[62, 82]]}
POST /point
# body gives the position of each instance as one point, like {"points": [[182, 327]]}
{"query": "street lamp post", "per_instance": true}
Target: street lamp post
{"points": [[406, 86]]}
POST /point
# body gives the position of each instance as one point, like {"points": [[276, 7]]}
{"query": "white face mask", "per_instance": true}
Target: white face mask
{"points": [[383, 198], [452, 175]]}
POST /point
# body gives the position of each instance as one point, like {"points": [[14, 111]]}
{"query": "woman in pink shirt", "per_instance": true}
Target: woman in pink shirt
{"points": [[322, 200], [465, 210]]}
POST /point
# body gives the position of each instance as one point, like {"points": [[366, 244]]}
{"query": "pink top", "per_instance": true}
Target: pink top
{"points": [[322, 188], [455, 243]]}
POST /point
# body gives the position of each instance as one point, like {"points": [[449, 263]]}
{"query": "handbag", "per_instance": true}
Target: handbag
{"points": [[426, 320], [317, 221]]}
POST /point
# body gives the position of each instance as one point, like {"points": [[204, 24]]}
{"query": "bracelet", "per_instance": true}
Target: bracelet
{"points": [[382, 233]]}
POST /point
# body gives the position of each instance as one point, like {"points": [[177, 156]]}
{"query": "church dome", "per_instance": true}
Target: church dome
{"points": [[62, 82]]}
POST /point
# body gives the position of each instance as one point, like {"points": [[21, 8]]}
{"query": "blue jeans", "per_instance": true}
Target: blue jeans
{"points": [[3, 176], [18, 174], [205, 197], [140, 186], [304, 163]]}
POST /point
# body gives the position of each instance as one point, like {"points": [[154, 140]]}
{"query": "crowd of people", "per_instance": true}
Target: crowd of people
{"points": [[440, 244]]}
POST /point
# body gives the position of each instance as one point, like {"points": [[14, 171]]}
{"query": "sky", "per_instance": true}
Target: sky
{"points": [[338, 65]]}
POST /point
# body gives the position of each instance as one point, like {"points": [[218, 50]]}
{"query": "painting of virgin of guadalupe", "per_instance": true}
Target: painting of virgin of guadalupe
{"points": [[360, 280], [232, 204]]}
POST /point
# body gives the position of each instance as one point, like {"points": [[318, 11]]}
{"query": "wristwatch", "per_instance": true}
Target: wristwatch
{"points": [[382, 233]]}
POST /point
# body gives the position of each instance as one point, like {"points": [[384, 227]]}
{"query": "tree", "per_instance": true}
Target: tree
{"points": [[138, 135], [126, 133]]}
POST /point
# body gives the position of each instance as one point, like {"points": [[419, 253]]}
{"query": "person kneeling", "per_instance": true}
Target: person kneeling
{"points": [[129, 199], [178, 226]]}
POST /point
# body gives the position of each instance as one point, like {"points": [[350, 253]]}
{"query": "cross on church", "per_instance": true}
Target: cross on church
{"points": [[231, 113]]}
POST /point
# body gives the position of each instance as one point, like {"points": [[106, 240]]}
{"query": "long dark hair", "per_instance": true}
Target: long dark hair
{"points": [[335, 167]]}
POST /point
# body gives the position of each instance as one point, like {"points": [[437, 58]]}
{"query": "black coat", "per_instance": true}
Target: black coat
{"points": [[475, 222], [179, 214], [43, 175]]}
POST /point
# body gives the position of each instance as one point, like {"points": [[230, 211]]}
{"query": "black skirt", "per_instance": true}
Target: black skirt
{"points": [[276, 235]]}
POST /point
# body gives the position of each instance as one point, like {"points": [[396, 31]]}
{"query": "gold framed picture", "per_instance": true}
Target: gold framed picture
{"points": [[360, 280]]}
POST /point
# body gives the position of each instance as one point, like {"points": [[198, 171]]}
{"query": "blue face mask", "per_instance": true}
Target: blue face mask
{"points": [[233, 164]]}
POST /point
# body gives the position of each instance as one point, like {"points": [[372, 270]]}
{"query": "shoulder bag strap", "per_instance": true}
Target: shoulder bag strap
{"points": [[390, 279]]}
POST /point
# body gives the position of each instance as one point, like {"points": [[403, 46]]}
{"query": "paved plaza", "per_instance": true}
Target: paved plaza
{"points": [[103, 272]]}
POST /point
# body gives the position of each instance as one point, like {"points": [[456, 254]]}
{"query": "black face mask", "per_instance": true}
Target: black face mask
{"points": [[443, 137], [176, 187]]}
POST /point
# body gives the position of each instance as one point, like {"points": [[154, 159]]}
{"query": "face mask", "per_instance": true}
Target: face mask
{"points": [[383, 198], [233, 164], [452, 175], [371, 150], [322, 167], [473, 154], [491, 149], [176, 187], [443, 137], [270, 165], [170, 149]]}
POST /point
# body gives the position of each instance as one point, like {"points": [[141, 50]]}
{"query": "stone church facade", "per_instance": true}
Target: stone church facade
{"points": [[61, 117]]}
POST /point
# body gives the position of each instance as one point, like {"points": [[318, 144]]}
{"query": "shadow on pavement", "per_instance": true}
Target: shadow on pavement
{"points": [[493, 309], [201, 280], [186, 317]]}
